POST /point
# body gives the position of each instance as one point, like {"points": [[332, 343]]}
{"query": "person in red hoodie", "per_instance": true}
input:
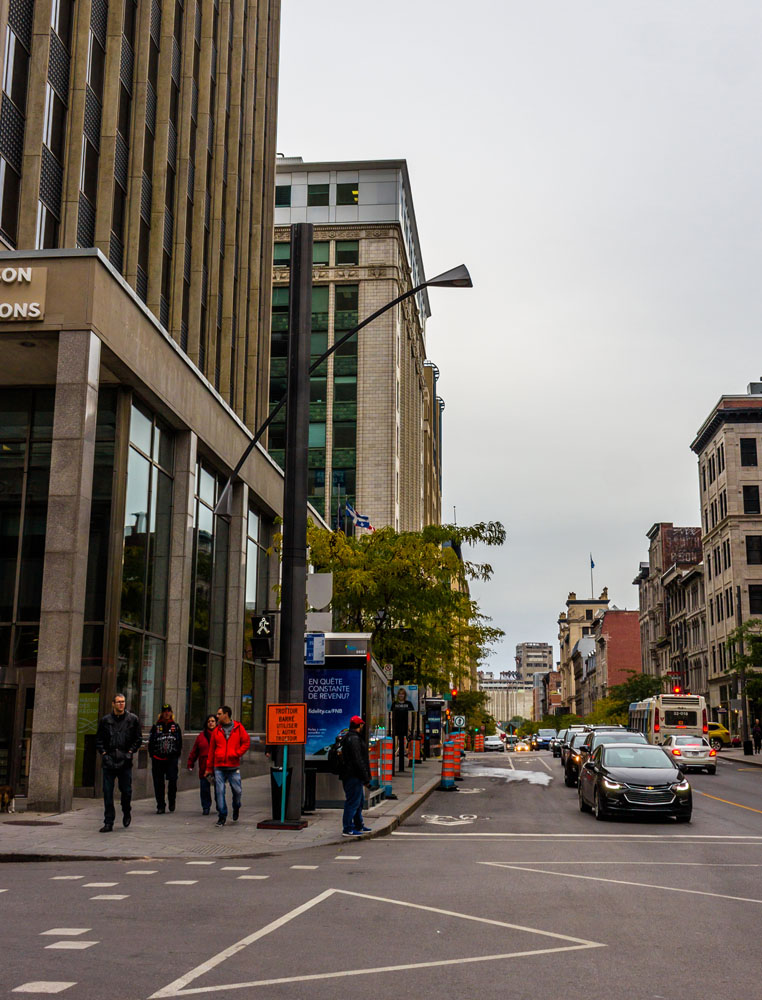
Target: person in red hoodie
{"points": [[228, 742], [200, 753]]}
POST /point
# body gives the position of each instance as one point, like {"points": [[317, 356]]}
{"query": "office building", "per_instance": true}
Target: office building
{"points": [[533, 656], [375, 413], [574, 623]]}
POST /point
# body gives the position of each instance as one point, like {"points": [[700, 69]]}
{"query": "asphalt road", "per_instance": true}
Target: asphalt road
{"points": [[502, 889]]}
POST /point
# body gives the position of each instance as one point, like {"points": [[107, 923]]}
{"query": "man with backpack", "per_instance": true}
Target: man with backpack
{"points": [[355, 774]]}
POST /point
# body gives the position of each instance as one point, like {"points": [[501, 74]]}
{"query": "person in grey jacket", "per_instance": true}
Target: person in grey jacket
{"points": [[118, 738]]}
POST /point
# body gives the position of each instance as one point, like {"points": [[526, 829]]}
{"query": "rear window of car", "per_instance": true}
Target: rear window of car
{"points": [[645, 756], [617, 737], [690, 741], [547, 733]]}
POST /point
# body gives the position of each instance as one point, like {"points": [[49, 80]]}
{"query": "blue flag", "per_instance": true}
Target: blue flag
{"points": [[592, 564]]}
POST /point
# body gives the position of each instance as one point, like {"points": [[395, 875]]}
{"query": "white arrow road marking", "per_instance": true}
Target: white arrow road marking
{"points": [[462, 820]]}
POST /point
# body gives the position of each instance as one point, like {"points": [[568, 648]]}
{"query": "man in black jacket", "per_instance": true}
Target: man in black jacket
{"points": [[165, 744], [355, 774], [118, 738]]}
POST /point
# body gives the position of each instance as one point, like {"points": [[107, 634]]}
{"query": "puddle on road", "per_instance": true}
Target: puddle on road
{"points": [[507, 774]]}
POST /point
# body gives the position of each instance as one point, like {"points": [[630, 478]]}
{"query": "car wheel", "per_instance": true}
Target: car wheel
{"points": [[716, 743], [711, 770], [583, 806], [685, 818], [568, 780], [599, 810]]}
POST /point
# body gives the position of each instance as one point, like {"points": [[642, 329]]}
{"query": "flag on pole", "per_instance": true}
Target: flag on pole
{"points": [[359, 520], [592, 564]]}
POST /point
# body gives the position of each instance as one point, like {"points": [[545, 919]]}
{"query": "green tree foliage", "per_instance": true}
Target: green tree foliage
{"points": [[410, 591], [635, 688], [748, 637], [471, 704]]}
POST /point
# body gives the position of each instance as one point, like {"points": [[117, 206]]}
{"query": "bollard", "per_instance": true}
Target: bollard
{"points": [[479, 743], [448, 767], [374, 755], [414, 750], [458, 741], [387, 766]]}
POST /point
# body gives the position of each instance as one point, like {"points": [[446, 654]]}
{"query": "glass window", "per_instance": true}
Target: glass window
{"points": [[140, 430], [135, 538], [344, 481], [755, 599], [320, 252], [12, 460], [61, 18], [751, 500], [317, 435], [319, 337], [128, 667], [10, 188], [317, 194], [347, 194], [318, 389], [54, 124], [283, 196], [47, 228], [344, 434], [281, 255], [346, 307], [16, 72], [347, 252], [754, 549], [279, 338], [89, 179], [748, 451]]}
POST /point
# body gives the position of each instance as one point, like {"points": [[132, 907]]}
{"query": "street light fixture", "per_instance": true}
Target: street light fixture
{"points": [[294, 559]]}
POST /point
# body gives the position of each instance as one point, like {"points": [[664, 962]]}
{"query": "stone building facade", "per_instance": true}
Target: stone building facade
{"points": [[614, 653], [574, 623], [375, 412], [533, 656]]}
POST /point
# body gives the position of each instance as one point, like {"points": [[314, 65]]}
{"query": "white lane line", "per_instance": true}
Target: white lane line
{"points": [[200, 862], [510, 761], [252, 877], [593, 836], [65, 878], [348, 857], [182, 881], [65, 931], [43, 987], [71, 945], [112, 896], [99, 885], [617, 881], [143, 871], [651, 864], [545, 763], [179, 986], [3, 890], [304, 868], [235, 868]]}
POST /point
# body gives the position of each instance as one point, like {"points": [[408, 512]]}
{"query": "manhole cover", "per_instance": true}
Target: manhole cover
{"points": [[33, 822]]}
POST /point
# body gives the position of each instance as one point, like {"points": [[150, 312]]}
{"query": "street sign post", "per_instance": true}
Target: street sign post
{"points": [[459, 721], [286, 726], [314, 649]]}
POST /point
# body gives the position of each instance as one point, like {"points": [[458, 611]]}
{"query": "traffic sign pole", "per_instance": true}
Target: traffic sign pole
{"points": [[283, 785]]}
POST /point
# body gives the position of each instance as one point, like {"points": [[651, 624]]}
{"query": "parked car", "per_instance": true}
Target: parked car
{"points": [[621, 778], [556, 744], [598, 736], [567, 740], [544, 736], [493, 743], [574, 758], [718, 735], [691, 752]]}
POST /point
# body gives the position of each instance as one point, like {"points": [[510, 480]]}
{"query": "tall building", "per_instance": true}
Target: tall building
{"points": [[508, 696], [136, 201], [533, 656], [574, 623], [375, 413], [613, 654], [728, 449]]}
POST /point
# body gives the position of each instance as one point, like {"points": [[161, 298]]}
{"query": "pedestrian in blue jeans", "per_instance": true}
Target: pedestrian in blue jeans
{"points": [[228, 742], [355, 774], [200, 752]]}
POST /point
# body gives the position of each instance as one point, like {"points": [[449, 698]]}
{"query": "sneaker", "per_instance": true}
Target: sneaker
{"points": [[364, 829], [220, 821], [171, 807], [106, 828], [206, 812], [236, 812], [160, 810], [352, 833], [126, 820]]}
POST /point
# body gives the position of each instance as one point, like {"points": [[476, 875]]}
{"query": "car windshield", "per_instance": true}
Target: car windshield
{"points": [[630, 756], [578, 738], [690, 741], [545, 733], [617, 737]]}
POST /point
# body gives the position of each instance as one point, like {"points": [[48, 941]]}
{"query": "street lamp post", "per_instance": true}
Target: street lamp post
{"points": [[296, 399]]}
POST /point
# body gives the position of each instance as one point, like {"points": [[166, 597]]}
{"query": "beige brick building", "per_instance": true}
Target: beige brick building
{"points": [[375, 415], [574, 623], [728, 446]]}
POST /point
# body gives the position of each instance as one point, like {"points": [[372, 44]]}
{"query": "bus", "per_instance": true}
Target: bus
{"points": [[669, 715]]}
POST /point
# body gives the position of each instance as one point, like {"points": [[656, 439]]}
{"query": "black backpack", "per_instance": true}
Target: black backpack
{"points": [[336, 755]]}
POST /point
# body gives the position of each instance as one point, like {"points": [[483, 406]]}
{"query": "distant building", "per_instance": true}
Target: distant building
{"points": [[574, 623], [533, 656], [728, 450], [611, 653], [685, 610], [508, 696]]}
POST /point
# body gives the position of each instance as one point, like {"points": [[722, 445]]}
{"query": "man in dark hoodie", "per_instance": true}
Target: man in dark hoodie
{"points": [[165, 744], [117, 739], [355, 774]]}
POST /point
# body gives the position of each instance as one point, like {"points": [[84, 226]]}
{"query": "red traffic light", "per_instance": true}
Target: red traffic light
{"points": [[454, 692]]}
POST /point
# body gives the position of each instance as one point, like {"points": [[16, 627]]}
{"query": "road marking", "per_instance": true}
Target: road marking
{"points": [[348, 857], [114, 896], [200, 862], [182, 881], [178, 987], [65, 931], [235, 868], [304, 868], [42, 987], [617, 881], [253, 876], [651, 864], [71, 945], [65, 878], [99, 885], [727, 801], [463, 820], [543, 761], [591, 836], [143, 871]]}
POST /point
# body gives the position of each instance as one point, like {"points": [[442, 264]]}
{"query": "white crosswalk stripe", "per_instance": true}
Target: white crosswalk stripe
{"points": [[65, 931], [43, 987], [71, 945]]}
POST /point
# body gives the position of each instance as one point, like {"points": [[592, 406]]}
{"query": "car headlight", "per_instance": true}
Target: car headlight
{"points": [[681, 786], [611, 786]]}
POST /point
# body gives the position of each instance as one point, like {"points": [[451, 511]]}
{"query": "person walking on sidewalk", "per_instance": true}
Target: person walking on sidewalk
{"points": [[165, 744], [200, 753], [117, 739], [756, 733], [228, 742], [355, 774]]}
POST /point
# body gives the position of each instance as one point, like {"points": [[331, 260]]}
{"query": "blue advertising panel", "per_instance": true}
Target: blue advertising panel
{"points": [[333, 696]]}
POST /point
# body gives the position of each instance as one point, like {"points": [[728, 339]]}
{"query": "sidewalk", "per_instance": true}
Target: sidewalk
{"points": [[187, 833], [736, 756]]}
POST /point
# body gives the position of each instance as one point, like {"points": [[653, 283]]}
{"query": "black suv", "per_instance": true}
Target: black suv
{"points": [[574, 758]]}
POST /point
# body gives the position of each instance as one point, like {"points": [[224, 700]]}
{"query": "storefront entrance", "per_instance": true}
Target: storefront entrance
{"points": [[16, 712]]}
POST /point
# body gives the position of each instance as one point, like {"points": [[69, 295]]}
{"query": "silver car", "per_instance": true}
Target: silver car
{"points": [[691, 752]]}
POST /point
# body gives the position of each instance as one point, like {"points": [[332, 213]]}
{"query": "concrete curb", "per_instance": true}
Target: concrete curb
{"points": [[753, 761]]}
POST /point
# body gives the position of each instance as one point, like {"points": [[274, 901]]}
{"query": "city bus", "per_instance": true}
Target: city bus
{"points": [[669, 715]]}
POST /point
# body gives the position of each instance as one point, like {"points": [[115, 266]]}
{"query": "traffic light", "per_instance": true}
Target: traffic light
{"points": [[454, 692]]}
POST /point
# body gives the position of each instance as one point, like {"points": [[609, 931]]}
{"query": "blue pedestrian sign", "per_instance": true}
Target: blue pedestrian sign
{"points": [[314, 649]]}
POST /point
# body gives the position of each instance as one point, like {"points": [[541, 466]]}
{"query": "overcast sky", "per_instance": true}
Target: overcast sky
{"points": [[597, 167]]}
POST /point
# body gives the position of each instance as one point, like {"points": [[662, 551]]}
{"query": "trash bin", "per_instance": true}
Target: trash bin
{"points": [[276, 788], [748, 748]]}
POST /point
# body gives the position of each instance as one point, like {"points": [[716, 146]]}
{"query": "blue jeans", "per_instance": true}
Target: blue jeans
{"points": [[353, 790], [206, 794], [221, 775], [124, 777]]}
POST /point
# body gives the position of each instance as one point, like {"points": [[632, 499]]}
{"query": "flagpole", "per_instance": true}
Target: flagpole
{"points": [[592, 588]]}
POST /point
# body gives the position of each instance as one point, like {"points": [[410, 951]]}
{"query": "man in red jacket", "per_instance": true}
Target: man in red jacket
{"points": [[228, 742]]}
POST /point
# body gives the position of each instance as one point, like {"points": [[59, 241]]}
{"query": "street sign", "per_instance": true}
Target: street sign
{"points": [[459, 721], [286, 724], [388, 669], [314, 649]]}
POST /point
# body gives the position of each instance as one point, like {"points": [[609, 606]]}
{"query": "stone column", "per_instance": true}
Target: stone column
{"points": [[56, 700], [180, 573], [236, 597]]}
